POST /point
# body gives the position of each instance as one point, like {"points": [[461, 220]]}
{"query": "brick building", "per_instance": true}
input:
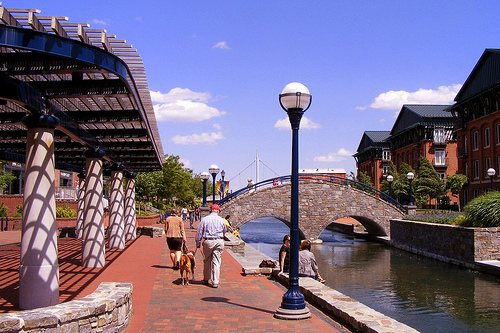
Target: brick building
{"points": [[424, 130], [419, 130], [477, 116], [373, 156]]}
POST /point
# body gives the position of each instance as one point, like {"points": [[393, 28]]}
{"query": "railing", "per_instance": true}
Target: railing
{"points": [[314, 177], [66, 193], [6, 228], [439, 161]]}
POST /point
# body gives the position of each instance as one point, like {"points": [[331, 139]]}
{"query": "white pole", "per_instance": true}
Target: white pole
{"points": [[257, 168]]}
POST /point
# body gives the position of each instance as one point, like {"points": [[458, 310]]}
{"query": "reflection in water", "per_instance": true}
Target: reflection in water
{"points": [[426, 294]]}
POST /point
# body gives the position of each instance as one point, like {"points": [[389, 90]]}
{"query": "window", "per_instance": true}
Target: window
{"points": [[439, 157], [386, 155], [442, 174], [498, 134], [386, 168], [466, 169], [487, 164], [476, 169], [487, 137], [439, 135], [475, 140], [475, 193], [465, 144], [466, 197]]}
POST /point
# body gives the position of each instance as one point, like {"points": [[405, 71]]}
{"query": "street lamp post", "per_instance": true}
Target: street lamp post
{"points": [[295, 99], [410, 177], [390, 179], [214, 170], [491, 172], [204, 177], [222, 184]]}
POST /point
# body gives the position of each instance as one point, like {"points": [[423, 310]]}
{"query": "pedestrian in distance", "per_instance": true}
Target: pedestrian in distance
{"points": [[176, 236], [210, 234], [184, 212], [191, 217]]}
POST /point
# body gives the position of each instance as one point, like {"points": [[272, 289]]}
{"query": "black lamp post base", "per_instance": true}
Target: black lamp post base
{"points": [[288, 314]]}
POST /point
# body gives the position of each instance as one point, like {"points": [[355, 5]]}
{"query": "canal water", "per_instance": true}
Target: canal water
{"points": [[426, 294]]}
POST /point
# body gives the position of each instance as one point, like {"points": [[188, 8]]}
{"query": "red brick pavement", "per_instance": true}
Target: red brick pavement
{"points": [[160, 302]]}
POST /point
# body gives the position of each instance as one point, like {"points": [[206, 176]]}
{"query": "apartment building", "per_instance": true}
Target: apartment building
{"points": [[373, 156], [477, 116]]}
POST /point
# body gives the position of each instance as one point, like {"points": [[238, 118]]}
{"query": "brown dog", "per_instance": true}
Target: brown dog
{"points": [[187, 265]]}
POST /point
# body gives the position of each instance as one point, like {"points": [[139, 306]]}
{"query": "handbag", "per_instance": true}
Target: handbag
{"points": [[267, 263]]}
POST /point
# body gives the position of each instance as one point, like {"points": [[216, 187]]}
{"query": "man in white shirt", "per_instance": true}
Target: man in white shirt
{"points": [[210, 233]]}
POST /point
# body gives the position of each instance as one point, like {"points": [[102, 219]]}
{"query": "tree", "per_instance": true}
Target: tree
{"points": [[384, 185], [174, 184], [428, 184], [365, 179], [454, 185], [401, 185], [5, 177]]}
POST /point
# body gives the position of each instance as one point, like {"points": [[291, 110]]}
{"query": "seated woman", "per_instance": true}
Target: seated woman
{"points": [[284, 255], [307, 262]]}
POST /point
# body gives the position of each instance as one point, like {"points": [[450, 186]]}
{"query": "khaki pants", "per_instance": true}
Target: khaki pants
{"points": [[212, 250]]}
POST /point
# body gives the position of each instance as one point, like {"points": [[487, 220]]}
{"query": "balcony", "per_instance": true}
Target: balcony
{"points": [[440, 142], [440, 162]]}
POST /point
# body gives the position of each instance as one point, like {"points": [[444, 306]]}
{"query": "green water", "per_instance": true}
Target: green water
{"points": [[426, 294]]}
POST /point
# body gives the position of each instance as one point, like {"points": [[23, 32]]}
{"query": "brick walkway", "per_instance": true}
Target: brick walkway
{"points": [[160, 302]]}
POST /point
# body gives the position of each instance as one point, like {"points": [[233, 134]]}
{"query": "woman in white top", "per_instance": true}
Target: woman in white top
{"points": [[307, 262]]}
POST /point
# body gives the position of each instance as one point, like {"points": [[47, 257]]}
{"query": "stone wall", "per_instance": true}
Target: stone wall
{"points": [[151, 231], [487, 242], [107, 309], [459, 245], [12, 200]]}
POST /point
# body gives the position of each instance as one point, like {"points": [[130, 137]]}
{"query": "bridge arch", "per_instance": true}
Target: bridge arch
{"points": [[320, 203]]}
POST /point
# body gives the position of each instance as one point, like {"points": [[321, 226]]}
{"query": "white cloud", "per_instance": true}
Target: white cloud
{"points": [[305, 123], [183, 105], [394, 100], [187, 163], [100, 22], [217, 126], [221, 45], [209, 139], [340, 155]]}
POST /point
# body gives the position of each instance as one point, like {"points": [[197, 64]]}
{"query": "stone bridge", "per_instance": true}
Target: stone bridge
{"points": [[320, 204]]}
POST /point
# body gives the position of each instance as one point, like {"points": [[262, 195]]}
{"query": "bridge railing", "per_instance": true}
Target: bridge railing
{"points": [[313, 177]]}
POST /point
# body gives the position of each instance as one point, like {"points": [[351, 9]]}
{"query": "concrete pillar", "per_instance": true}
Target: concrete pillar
{"points": [[93, 249], [116, 230], [39, 268], [130, 217], [80, 205]]}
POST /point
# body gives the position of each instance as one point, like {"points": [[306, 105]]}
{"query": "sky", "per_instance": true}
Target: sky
{"points": [[215, 70]]}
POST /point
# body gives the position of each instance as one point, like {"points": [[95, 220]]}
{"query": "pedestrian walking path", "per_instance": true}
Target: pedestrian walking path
{"points": [[160, 302]]}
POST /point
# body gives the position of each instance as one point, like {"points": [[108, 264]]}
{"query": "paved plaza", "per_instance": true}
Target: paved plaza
{"points": [[160, 302]]}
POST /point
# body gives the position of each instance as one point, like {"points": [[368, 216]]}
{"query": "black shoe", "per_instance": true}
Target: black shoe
{"points": [[176, 267]]}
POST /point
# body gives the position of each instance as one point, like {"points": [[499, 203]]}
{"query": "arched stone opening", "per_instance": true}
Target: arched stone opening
{"points": [[371, 226]]}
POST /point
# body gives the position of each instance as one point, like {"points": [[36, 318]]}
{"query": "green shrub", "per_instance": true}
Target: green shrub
{"points": [[3, 210], [144, 213], [440, 218], [483, 211], [65, 211], [19, 211], [459, 220]]}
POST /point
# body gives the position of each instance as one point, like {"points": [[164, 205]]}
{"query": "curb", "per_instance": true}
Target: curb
{"points": [[334, 303]]}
